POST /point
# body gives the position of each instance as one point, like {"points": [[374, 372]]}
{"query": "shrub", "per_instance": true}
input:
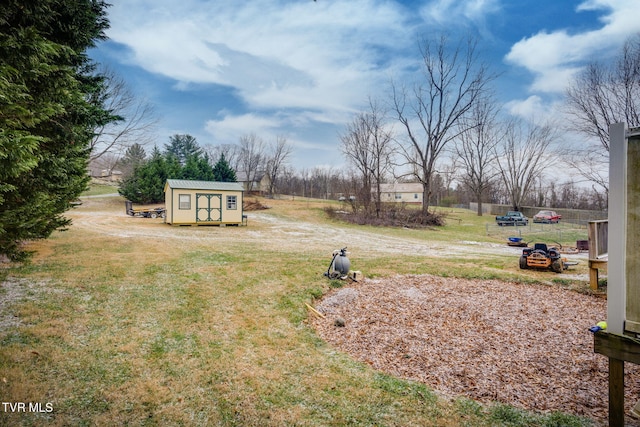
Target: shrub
{"points": [[391, 215]]}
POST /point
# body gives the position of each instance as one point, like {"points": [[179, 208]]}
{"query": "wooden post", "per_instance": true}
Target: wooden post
{"points": [[593, 276], [623, 290], [594, 265], [618, 348], [616, 272], [616, 392], [598, 240]]}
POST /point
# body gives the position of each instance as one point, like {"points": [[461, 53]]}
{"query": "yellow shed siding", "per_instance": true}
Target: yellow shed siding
{"points": [[208, 203]]}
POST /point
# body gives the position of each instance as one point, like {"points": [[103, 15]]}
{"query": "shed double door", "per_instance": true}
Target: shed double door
{"points": [[208, 207]]}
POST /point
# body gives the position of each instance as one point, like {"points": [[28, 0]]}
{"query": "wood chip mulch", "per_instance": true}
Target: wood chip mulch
{"points": [[521, 344]]}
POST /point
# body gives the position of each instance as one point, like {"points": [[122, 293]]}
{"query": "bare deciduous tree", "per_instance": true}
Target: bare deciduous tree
{"points": [[136, 119], [523, 156], [454, 80], [603, 94], [230, 152], [480, 133], [320, 179], [446, 173], [251, 157], [279, 153], [368, 144]]}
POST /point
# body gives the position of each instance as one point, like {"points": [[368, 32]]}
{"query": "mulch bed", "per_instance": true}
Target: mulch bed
{"points": [[521, 344]]}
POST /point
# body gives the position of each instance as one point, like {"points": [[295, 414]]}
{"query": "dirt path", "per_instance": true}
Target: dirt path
{"points": [[284, 234]]}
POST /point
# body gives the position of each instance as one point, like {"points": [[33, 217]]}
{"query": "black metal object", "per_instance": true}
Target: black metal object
{"points": [[145, 213], [339, 266]]}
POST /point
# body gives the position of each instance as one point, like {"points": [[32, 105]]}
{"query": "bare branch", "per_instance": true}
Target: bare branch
{"points": [[601, 95], [279, 154], [523, 156], [454, 81], [367, 143], [135, 126]]}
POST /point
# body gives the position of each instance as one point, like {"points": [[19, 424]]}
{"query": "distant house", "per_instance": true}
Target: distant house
{"points": [[106, 174], [190, 202], [260, 182], [401, 192]]}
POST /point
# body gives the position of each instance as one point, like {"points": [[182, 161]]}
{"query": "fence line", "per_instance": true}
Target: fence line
{"points": [[567, 232], [574, 216]]}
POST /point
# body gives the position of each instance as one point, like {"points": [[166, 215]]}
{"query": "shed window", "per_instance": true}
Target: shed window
{"points": [[185, 201], [232, 202]]}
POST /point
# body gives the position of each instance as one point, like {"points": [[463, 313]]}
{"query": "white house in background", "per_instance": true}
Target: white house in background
{"points": [[401, 192], [260, 183]]}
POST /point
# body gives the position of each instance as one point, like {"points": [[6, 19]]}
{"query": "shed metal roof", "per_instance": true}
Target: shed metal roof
{"points": [[187, 184]]}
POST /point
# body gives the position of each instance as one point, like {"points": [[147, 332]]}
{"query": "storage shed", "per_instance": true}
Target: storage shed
{"points": [[203, 202]]}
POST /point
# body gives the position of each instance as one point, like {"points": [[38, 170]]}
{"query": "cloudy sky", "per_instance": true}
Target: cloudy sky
{"points": [[301, 69]]}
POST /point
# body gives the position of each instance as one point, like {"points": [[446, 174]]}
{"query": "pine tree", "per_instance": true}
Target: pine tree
{"points": [[183, 147], [133, 157], [222, 171], [47, 113], [197, 168], [146, 183]]}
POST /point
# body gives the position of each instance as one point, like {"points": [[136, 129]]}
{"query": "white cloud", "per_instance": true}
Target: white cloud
{"points": [[554, 57], [230, 128], [275, 53], [524, 108], [457, 12]]}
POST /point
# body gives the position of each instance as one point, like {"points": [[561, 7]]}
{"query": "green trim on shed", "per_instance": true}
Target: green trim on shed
{"points": [[208, 205]]}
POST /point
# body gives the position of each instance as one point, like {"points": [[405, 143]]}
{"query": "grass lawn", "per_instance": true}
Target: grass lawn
{"points": [[98, 189], [117, 328]]}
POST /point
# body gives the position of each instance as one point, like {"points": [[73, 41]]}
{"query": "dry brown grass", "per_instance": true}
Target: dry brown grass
{"points": [[141, 323]]}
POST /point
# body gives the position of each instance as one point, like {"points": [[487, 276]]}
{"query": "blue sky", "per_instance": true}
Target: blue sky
{"points": [[301, 69]]}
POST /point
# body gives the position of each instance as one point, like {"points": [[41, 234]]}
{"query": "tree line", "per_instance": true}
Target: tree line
{"points": [[332, 183], [451, 125], [182, 158], [447, 126]]}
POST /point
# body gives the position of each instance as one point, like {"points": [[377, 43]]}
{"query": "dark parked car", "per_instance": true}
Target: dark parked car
{"points": [[512, 218], [547, 217]]}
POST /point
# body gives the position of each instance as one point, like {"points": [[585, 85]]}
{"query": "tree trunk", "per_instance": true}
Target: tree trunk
{"points": [[425, 199]]}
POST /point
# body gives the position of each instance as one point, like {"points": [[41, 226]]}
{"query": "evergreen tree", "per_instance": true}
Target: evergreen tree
{"points": [[197, 168], [146, 184], [48, 110], [183, 147], [133, 157], [223, 172]]}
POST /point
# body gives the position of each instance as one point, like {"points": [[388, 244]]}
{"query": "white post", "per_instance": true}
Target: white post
{"points": [[616, 270]]}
